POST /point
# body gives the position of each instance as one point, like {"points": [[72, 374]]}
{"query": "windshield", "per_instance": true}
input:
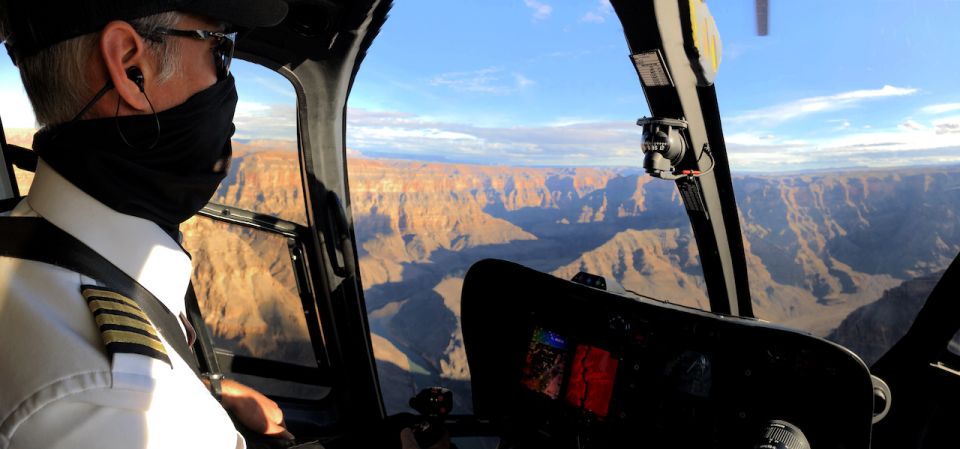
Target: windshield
{"points": [[517, 141], [501, 130]]}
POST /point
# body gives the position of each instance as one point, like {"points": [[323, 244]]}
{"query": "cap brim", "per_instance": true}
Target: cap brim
{"points": [[242, 13]]}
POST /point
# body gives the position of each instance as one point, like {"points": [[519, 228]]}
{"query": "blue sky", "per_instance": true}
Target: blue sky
{"points": [[853, 83]]}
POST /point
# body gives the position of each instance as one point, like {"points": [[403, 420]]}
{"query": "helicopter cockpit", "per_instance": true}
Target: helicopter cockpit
{"points": [[557, 362]]}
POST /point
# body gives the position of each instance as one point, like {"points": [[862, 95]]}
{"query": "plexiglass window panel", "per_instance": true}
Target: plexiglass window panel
{"points": [[248, 296], [525, 153], [244, 278], [264, 176], [845, 164]]}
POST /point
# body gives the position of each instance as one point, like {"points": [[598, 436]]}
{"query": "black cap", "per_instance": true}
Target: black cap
{"points": [[38, 24]]}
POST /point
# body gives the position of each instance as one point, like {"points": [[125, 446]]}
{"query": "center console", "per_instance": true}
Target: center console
{"points": [[559, 364]]}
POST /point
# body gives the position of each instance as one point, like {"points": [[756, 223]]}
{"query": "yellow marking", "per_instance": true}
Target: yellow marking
{"points": [[96, 304], [91, 292], [713, 53], [118, 320], [114, 336]]}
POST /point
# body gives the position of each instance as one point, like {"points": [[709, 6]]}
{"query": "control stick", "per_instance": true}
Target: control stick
{"points": [[782, 435], [434, 404]]}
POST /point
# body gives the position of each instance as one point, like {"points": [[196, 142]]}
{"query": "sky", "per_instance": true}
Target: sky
{"points": [[836, 84]]}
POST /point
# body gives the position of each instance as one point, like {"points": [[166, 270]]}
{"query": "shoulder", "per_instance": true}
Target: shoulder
{"points": [[60, 338]]}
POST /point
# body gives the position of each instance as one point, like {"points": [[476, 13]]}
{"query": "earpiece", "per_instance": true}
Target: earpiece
{"points": [[136, 76]]}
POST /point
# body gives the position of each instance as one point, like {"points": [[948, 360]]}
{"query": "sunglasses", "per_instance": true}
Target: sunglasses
{"points": [[222, 51]]}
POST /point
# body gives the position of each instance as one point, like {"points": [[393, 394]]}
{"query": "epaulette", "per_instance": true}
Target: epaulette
{"points": [[124, 327]]}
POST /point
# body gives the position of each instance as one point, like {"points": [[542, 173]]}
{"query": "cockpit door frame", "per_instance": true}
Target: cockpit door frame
{"points": [[319, 49]]}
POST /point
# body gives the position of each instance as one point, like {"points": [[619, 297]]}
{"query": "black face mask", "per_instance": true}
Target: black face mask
{"points": [[166, 184]]}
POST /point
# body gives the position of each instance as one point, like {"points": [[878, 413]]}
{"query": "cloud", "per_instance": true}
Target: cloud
{"points": [[578, 142], [947, 126], [807, 106], [912, 125], [909, 143], [598, 14], [522, 81], [15, 108], [395, 135], [609, 143], [540, 10], [744, 138], [940, 108], [490, 80], [259, 121]]}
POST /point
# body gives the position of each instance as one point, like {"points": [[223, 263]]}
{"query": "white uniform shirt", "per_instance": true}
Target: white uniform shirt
{"points": [[58, 389]]}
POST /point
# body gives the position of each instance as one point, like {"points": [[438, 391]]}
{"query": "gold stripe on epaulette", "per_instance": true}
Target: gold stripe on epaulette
{"points": [[117, 336], [96, 304], [124, 327], [120, 320], [97, 293]]}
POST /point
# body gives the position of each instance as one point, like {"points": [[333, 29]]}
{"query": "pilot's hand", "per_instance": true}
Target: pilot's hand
{"points": [[254, 410]]}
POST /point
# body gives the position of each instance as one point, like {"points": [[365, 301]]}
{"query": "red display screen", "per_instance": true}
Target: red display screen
{"points": [[592, 376]]}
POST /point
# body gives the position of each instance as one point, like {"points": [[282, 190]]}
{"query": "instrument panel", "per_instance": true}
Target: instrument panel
{"points": [[559, 364]]}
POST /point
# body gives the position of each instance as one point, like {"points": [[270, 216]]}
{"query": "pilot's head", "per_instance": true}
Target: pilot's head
{"points": [[134, 96], [67, 50]]}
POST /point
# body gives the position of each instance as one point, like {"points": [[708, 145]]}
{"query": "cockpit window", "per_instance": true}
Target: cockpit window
{"points": [[515, 142], [244, 278], [844, 147], [265, 174], [19, 123]]}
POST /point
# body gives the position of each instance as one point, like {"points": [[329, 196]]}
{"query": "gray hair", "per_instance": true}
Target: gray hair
{"points": [[55, 79]]}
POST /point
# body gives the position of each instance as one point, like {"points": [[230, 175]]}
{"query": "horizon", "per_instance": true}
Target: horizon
{"points": [[552, 85], [735, 171]]}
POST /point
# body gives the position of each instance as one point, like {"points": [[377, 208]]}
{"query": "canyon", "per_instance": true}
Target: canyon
{"points": [[822, 248]]}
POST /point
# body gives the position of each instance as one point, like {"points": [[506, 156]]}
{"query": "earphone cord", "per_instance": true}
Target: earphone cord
{"points": [[103, 91], [116, 114]]}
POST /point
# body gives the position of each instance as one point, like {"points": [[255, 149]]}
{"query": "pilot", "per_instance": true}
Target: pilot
{"points": [[80, 367]]}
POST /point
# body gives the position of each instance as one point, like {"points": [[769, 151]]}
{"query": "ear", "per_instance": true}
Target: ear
{"points": [[121, 48]]}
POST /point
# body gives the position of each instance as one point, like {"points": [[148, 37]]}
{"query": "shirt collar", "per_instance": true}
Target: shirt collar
{"points": [[138, 247]]}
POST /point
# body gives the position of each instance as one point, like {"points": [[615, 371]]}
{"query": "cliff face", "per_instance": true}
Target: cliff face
{"points": [[898, 223], [872, 330], [404, 212], [245, 286], [265, 181], [660, 263], [819, 246], [22, 138]]}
